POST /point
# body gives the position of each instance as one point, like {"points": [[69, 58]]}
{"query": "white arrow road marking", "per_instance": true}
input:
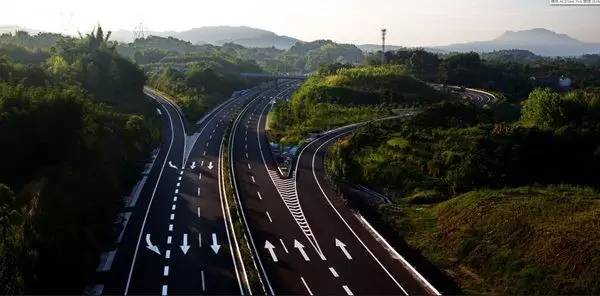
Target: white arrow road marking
{"points": [[270, 247], [193, 166], [172, 165], [342, 246], [150, 246], [300, 248], [185, 247], [215, 246], [210, 165]]}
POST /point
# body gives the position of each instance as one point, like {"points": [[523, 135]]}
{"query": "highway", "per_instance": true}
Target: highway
{"points": [[305, 239], [177, 240]]}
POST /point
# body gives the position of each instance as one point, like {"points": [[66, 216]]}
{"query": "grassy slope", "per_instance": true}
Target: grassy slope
{"points": [[527, 240], [350, 95]]}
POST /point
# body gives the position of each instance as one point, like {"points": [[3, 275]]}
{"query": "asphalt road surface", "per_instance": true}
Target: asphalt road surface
{"points": [[177, 240], [305, 239]]}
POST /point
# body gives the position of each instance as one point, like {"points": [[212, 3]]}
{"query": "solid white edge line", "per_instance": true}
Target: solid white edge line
{"points": [[412, 269], [226, 219], [338, 213], [151, 197], [306, 286], [405, 263], [256, 256]]}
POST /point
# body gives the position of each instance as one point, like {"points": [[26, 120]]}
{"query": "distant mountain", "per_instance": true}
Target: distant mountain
{"points": [[12, 29], [219, 35], [539, 41]]}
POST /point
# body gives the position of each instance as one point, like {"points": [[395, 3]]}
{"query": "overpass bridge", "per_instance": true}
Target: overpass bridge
{"points": [[275, 77]]}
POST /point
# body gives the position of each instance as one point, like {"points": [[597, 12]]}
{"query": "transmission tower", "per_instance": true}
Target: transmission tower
{"points": [[139, 31], [383, 33]]}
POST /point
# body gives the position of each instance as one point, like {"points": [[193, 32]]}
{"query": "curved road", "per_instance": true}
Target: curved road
{"points": [[305, 239], [177, 240]]}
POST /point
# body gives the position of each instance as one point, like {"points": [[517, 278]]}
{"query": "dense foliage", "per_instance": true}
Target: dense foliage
{"points": [[453, 152], [514, 73], [340, 95], [66, 161], [205, 81]]}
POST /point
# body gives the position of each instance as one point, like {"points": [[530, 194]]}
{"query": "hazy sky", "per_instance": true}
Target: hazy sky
{"points": [[424, 22]]}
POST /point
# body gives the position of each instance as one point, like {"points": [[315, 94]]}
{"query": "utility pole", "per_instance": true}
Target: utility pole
{"points": [[383, 33]]}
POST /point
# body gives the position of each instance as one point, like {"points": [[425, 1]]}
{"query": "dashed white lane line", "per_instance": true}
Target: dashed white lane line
{"points": [[284, 247], [173, 208], [200, 240], [269, 217], [176, 191], [249, 167], [181, 172], [306, 286], [253, 180], [246, 146], [204, 153], [207, 144], [203, 282], [175, 198], [198, 212], [259, 196], [202, 163], [200, 176], [164, 290], [166, 270], [179, 178], [333, 272], [348, 292], [169, 238], [170, 227], [168, 254], [198, 193], [172, 217], [247, 155], [178, 184]]}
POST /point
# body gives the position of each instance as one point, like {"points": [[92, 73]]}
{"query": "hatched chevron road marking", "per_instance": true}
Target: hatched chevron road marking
{"points": [[287, 191]]}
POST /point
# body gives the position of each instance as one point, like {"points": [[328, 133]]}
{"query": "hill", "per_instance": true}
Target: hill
{"points": [[219, 35], [539, 41]]}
